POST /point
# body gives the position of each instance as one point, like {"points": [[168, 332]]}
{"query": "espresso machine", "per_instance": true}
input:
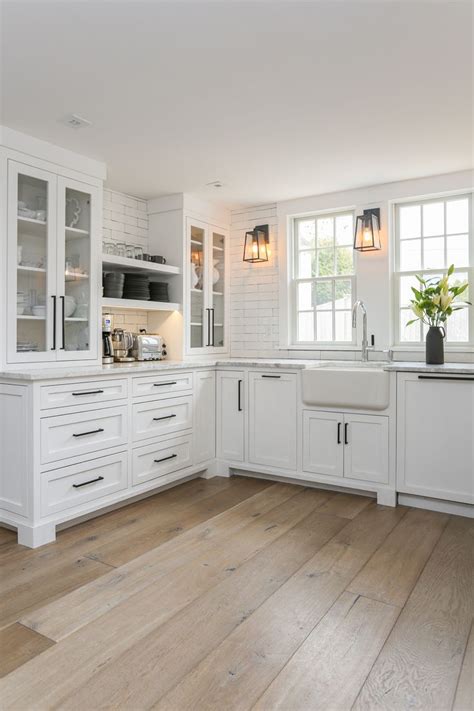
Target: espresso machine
{"points": [[107, 345], [122, 342]]}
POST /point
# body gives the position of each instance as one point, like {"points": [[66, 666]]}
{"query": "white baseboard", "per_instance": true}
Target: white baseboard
{"points": [[449, 507]]}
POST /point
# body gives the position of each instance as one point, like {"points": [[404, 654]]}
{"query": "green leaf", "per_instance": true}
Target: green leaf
{"points": [[409, 323], [451, 270]]}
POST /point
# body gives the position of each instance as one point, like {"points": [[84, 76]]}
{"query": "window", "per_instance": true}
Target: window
{"points": [[431, 235], [324, 280]]}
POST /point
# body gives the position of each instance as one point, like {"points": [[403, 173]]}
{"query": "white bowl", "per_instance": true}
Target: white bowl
{"points": [[69, 306], [39, 310], [20, 310]]}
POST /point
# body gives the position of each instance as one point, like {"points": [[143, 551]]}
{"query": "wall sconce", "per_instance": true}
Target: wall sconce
{"points": [[256, 248], [367, 231]]}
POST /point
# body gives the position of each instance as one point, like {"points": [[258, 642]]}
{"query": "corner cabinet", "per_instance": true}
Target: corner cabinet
{"points": [[435, 436], [53, 228], [206, 287]]}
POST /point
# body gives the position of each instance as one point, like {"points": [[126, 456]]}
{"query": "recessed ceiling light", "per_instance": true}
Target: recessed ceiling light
{"points": [[215, 184], [75, 121]]}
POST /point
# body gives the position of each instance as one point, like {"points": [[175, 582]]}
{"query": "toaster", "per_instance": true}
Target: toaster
{"points": [[148, 346]]}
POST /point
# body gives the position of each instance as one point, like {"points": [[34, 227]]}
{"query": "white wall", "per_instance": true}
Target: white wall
{"points": [[125, 219], [258, 292]]}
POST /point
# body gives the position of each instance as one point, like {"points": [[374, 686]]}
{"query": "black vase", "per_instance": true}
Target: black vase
{"points": [[435, 345]]}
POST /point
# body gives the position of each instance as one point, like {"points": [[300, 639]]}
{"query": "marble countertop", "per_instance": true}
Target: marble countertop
{"points": [[117, 369]]}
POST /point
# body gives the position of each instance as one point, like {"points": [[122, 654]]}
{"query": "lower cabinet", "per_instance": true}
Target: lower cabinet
{"points": [[204, 416], [435, 436], [230, 415], [346, 445], [272, 419]]}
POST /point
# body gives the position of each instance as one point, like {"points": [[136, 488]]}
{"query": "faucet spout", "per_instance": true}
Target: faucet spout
{"points": [[365, 343]]}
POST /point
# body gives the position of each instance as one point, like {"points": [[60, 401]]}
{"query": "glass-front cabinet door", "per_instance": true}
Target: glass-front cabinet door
{"points": [[207, 265], [77, 270], [31, 277]]}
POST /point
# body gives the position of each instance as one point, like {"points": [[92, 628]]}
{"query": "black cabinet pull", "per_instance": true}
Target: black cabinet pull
{"points": [[160, 385], [339, 432], [88, 392], [239, 395], [54, 323], [165, 459], [213, 326], [165, 417], [271, 376], [85, 483], [83, 434], [346, 427], [63, 346], [208, 327], [465, 378]]}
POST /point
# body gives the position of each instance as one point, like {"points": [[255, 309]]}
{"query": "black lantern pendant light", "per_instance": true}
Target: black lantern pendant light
{"points": [[367, 231], [256, 244]]}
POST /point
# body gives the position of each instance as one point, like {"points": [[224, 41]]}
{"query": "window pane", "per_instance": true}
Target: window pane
{"points": [[325, 262], [406, 294], [410, 255], [306, 234], [306, 326], [323, 295], [325, 231], [343, 294], [433, 219], [457, 216], [458, 250], [305, 264], [433, 252], [457, 327], [344, 260], [408, 333], [344, 230], [324, 325], [410, 221], [343, 326], [305, 300]]}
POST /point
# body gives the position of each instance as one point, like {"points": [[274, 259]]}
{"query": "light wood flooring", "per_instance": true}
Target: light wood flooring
{"points": [[242, 594]]}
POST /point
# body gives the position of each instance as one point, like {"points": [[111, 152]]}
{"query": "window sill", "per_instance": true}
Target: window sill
{"points": [[420, 348], [322, 347]]}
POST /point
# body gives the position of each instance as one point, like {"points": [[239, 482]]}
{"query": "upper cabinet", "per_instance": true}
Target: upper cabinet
{"points": [[206, 288], [53, 233]]}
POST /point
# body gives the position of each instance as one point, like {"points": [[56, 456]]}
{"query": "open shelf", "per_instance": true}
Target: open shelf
{"points": [[137, 305], [112, 263]]}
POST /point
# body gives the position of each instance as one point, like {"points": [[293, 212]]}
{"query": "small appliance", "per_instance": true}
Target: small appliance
{"points": [[122, 342], [148, 346], [107, 345]]}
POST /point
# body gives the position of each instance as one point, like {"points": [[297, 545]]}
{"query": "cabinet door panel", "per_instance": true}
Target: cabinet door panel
{"points": [[435, 437], [199, 313], [272, 420], [205, 416], [230, 415], [366, 448], [323, 449]]}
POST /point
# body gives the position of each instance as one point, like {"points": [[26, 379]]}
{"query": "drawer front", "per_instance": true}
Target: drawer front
{"points": [[82, 432], [78, 484], [162, 385], [158, 460], [159, 417], [82, 393]]}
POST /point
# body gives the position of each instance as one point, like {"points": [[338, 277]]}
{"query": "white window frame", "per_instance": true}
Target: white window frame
{"points": [[396, 273], [294, 281]]}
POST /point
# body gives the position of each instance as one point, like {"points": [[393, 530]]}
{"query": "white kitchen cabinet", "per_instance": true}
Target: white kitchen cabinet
{"points": [[272, 419], [207, 281], [204, 416], [52, 257], [366, 447], [323, 451], [230, 415], [346, 445], [435, 436]]}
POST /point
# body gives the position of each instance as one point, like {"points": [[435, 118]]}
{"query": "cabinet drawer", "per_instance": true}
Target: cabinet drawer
{"points": [[158, 385], [82, 432], [158, 460], [152, 419], [82, 393], [75, 485]]}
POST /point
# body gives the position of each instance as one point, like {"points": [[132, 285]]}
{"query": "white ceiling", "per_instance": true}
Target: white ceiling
{"points": [[276, 99]]}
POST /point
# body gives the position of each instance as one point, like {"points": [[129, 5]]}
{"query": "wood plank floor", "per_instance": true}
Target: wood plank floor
{"points": [[242, 594]]}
